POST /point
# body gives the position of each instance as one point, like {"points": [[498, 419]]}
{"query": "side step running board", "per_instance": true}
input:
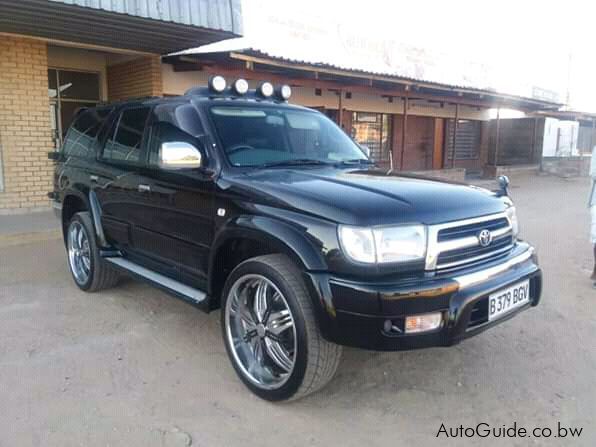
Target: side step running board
{"points": [[194, 296]]}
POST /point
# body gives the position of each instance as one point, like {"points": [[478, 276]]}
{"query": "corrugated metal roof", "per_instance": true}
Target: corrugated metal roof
{"points": [[222, 15], [402, 64], [151, 26]]}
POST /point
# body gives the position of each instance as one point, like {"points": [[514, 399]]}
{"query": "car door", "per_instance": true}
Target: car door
{"points": [[117, 178], [177, 223]]}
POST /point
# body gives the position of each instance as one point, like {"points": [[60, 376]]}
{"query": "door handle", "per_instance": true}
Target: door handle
{"points": [[144, 188], [93, 178]]}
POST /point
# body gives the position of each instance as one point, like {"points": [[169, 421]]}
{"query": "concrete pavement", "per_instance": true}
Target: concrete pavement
{"points": [[26, 228]]}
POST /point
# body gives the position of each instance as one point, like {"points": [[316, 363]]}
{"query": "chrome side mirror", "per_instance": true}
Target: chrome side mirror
{"points": [[179, 155], [503, 185]]}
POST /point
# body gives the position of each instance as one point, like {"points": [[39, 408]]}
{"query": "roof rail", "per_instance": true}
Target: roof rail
{"points": [[131, 99], [201, 91]]}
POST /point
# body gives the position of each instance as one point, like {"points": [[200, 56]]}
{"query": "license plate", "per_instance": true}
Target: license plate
{"points": [[504, 301]]}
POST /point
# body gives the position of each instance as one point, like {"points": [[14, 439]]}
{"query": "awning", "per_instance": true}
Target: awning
{"points": [[152, 26]]}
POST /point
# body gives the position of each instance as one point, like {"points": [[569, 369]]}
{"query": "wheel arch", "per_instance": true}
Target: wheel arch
{"points": [[73, 202], [76, 202], [247, 237]]}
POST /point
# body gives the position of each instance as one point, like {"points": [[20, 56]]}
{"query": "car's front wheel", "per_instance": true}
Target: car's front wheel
{"points": [[270, 331]]}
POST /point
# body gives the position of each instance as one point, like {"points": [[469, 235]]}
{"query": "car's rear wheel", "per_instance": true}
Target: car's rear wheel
{"points": [[89, 271], [270, 331]]}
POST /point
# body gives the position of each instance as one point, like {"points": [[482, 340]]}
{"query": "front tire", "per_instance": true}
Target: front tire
{"points": [[89, 271], [270, 331]]}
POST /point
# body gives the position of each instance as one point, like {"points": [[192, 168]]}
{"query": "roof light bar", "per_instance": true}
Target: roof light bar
{"points": [[217, 84], [284, 92], [265, 89], [240, 86]]}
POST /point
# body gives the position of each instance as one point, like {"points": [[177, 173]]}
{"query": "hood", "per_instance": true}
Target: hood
{"points": [[362, 197]]}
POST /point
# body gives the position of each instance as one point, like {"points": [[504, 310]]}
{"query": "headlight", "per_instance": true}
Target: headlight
{"points": [[384, 244], [512, 216], [358, 244]]}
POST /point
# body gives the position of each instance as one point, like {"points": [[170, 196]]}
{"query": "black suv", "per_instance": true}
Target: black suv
{"points": [[232, 198]]}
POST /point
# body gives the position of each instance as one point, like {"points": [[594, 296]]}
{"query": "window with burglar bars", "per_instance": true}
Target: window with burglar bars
{"points": [[373, 130], [69, 91], [467, 144]]}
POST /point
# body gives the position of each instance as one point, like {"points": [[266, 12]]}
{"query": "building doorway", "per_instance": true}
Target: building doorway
{"points": [[70, 90], [468, 139]]}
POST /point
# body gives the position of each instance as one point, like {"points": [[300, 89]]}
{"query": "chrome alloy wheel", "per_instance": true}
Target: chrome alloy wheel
{"points": [[79, 253], [260, 331]]}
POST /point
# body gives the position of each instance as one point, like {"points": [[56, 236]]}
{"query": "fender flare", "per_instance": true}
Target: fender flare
{"points": [[283, 238], [92, 204], [279, 235], [96, 213], [276, 233]]}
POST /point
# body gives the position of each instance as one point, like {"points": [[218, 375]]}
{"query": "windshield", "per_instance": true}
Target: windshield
{"points": [[259, 136]]}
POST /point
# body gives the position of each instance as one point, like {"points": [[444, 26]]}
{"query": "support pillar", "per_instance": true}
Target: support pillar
{"points": [[592, 135], [404, 132], [497, 130], [455, 124]]}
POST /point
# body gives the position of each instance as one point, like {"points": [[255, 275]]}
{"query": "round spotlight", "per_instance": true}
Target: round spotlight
{"points": [[265, 89], [284, 92], [240, 86], [217, 83]]}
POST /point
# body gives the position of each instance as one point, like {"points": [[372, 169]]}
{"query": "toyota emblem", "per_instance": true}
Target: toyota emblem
{"points": [[485, 237]]}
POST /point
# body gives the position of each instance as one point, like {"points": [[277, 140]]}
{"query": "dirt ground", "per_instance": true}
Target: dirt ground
{"points": [[134, 367]]}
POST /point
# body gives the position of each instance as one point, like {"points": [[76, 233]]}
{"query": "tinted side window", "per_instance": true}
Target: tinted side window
{"points": [[82, 135], [124, 144], [183, 116]]}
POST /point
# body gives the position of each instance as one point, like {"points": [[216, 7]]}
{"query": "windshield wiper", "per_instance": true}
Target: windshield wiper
{"points": [[295, 162], [357, 161]]}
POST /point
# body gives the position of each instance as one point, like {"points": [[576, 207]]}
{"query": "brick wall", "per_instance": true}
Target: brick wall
{"points": [[25, 133], [137, 78]]}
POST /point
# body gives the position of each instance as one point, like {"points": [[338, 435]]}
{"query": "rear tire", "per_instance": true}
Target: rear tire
{"points": [[293, 359], [90, 272]]}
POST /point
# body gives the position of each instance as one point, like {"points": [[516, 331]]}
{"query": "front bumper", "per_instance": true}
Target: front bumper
{"points": [[356, 312]]}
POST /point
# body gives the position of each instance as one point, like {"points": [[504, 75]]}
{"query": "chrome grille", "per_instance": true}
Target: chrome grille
{"points": [[457, 243], [471, 229]]}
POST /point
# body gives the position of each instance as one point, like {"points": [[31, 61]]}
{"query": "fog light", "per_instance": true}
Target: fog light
{"points": [[240, 86], [265, 89], [284, 92], [217, 83], [390, 328], [423, 323]]}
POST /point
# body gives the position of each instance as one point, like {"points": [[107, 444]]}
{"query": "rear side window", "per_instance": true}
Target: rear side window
{"points": [[82, 135], [124, 144]]}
